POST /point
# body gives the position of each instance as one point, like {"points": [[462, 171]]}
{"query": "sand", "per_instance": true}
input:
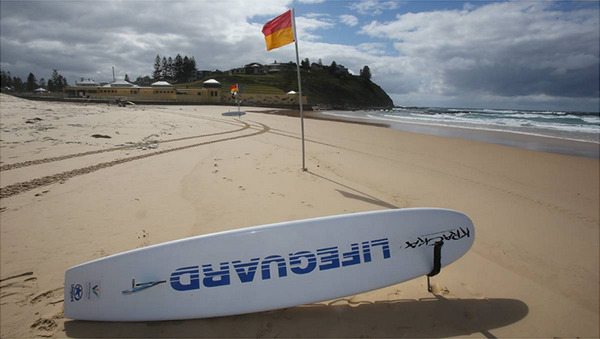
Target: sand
{"points": [[169, 172]]}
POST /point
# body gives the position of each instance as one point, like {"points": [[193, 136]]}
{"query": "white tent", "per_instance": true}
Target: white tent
{"points": [[40, 90]]}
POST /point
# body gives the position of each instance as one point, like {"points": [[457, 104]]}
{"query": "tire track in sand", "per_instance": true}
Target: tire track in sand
{"points": [[9, 167], [25, 186]]}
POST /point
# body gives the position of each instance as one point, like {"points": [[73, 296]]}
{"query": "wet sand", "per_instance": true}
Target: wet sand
{"points": [[523, 141]]}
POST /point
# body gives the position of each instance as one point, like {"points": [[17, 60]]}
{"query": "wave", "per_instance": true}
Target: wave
{"points": [[585, 131], [503, 122]]}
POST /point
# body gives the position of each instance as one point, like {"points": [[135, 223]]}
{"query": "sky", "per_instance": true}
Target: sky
{"points": [[539, 55]]}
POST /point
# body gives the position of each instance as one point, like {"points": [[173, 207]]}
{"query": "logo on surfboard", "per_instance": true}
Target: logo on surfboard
{"points": [[432, 239], [302, 262], [92, 290], [76, 292]]}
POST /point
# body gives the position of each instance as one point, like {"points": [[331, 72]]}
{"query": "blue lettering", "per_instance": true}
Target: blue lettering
{"points": [[330, 258], [246, 276], [384, 245], [302, 262], [353, 256], [216, 278], [265, 267], [194, 277], [296, 261], [366, 251]]}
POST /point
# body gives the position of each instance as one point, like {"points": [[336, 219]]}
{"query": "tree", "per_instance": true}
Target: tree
{"points": [[18, 84], [186, 69], [170, 69], [31, 82], [164, 68], [59, 83], [126, 77], [193, 63], [178, 67], [333, 67], [6, 79], [57, 80], [51, 86], [320, 62], [157, 71], [43, 83], [365, 72], [54, 75], [191, 67], [143, 81], [305, 64]]}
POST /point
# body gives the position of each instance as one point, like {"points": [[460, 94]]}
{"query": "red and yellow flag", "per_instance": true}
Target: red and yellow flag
{"points": [[279, 32], [234, 89]]}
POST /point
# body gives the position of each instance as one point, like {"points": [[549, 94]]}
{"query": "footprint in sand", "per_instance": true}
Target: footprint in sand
{"points": [[22, 289], [145, 239], [264, 330], [51, 297], [18, 288], [46, 326], [306, 204], [101, 253], [394, 295]]}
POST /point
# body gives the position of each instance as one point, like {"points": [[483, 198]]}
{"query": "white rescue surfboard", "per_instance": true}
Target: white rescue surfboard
{"points": [[266, 267]]}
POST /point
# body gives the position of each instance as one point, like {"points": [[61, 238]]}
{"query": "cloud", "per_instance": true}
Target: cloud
{"points": [[80, 42], [317, 15], [311, 1], [308, 26], [514, 49], [349, 20], [374, 7], [502, 54], [373, 48]]}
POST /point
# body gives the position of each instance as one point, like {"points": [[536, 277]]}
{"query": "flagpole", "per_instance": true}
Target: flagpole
{"points": [[299, 86], [237, 94]]}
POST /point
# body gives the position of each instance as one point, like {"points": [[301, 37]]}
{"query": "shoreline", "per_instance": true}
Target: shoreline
{"points": [[532, 142]]}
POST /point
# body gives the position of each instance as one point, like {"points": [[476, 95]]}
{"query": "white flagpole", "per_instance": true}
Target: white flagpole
{"points": [[299, 86], [237, 95]]}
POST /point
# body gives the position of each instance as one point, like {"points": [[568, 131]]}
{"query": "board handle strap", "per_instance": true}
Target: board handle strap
{"points": [[437, 262]]}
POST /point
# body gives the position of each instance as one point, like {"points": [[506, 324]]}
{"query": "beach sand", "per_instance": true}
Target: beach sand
{"points": [[169, 172]]}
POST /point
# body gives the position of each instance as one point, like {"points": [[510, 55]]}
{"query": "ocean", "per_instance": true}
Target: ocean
{"points": [[580, 127]]}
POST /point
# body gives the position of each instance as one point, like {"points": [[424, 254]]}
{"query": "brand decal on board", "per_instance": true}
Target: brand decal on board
{"points": [[76, 292], [433, 238], [92, 290]]}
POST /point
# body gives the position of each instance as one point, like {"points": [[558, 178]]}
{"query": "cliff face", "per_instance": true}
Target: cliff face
{"points": [[345, 91]]}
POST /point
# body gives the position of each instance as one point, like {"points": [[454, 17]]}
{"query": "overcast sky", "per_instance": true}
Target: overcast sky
{"points": [[522, 54]]}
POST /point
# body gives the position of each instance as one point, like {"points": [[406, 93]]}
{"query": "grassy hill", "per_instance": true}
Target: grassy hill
{"points": [[320, 88]]}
